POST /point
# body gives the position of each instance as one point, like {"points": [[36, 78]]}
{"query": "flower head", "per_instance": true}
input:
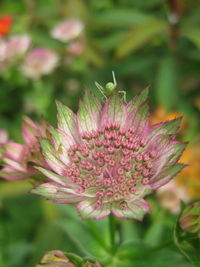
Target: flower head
{"points": [[58, 258], [67, 30], [190, 219], [107, 157], [20, 159], [16, 46], [39, 61], [2, 53], [76, 48], [55, 258]]}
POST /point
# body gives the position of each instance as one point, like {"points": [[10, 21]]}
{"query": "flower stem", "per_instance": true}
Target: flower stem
{"points": [[112, 227], [95, 232]]}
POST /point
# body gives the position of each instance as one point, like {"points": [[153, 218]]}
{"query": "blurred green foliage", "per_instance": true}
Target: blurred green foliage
{"points": [[139, 41]]}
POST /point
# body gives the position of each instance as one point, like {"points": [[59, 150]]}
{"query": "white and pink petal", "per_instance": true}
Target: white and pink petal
{"points": [[50, 157], [113, 111], [138, 100], [67, 120], [165, 175], [88, 115], [89, 210], [138, 119], [130, 210], [57, 193]]}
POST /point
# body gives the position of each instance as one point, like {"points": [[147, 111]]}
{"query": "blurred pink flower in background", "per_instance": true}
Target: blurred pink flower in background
{"points": [[3, 136], [171, 195], [3, 139], [67, 30], [76, 48], [2, 52], [16, 46], [39, 61]]}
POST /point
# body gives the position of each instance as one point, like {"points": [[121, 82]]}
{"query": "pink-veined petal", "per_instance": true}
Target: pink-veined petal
{"points": [[113, 110], [57, 193], [29, 131], [131, 210], [89, 113], [168, 127], [14, 150], [54, 177], [137, 100], [165, 175], [138, 119], [13, 175], [50, 157], [62, 143], [67, 120], [88, 209]]}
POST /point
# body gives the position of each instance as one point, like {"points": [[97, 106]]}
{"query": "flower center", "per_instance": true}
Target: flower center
{"points": [[112, 162]]}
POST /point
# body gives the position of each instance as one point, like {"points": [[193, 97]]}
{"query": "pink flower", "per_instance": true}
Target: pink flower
{"points": [[3, 136], [67, 30], [16, 46], [75, 48], [20, 159], [190, 218], [55, 258], [108, 157], [39, 61], [2, 53], [171, 195]]}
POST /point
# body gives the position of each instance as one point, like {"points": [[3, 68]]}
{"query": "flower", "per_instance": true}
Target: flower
{"points": [[75, 48], [2, 53], [5, 25], [67, 30], [3, 139], [20, 159], [55, 258], [171, 195], [190, 219], [107, 157], [3, 136], [16, 46], [39, 61]]}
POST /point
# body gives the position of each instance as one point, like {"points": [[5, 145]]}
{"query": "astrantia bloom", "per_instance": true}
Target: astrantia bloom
{"points": [[58, 258], [108, 157], [67, 30], [16, 46], [55, 258], [39, 61], [20, 159]]}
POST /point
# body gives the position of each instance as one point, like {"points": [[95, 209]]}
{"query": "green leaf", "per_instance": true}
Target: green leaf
{"points": [[120, 17], [167, 83], [192, 34], [137, 37]]}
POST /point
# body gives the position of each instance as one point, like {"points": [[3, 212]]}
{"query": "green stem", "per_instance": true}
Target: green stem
{"points": [[97, 234], [112, 227]]}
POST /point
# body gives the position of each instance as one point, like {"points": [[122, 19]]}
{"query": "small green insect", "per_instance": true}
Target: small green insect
{"points": [[109, 88]]}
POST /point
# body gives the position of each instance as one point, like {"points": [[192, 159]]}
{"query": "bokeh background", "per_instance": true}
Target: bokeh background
{"points": [[147, 43]]}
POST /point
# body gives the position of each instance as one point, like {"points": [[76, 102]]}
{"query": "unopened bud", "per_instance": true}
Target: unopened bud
{"points": [[190, 219]]}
